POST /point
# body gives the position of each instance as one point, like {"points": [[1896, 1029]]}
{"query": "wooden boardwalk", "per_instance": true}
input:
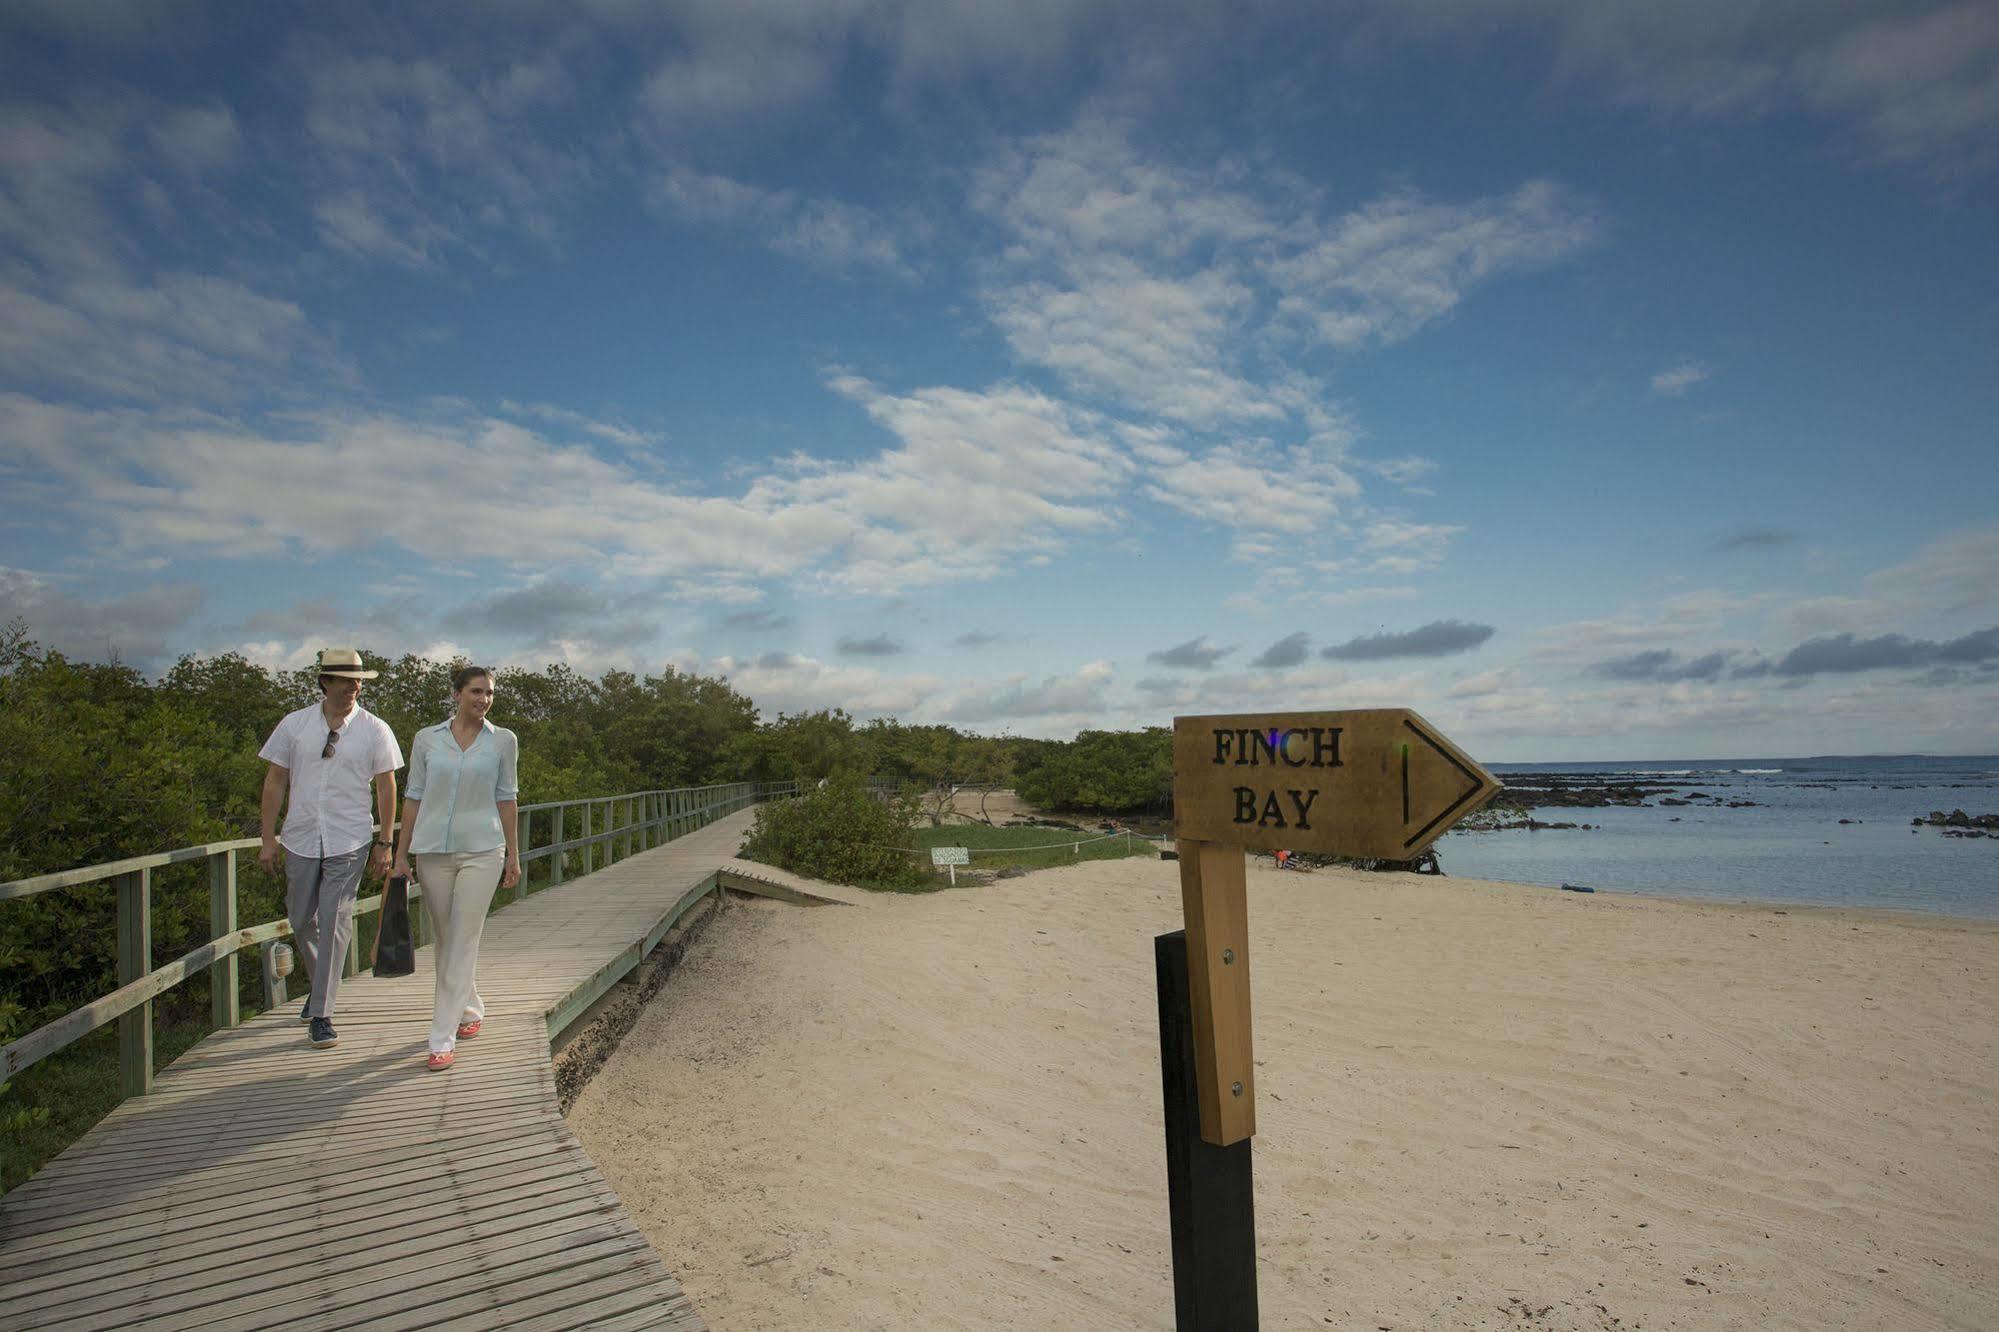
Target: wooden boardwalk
{"points": [[266, 1182]]}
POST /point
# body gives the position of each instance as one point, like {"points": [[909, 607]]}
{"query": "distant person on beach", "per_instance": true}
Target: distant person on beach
{"points": [[458, 826], [323, 761]]}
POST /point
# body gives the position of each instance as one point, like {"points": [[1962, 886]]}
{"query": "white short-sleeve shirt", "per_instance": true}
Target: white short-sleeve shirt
{"points": [[330, 809]]}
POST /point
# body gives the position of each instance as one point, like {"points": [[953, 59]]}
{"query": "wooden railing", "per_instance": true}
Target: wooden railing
{"points": [[620, 825]]}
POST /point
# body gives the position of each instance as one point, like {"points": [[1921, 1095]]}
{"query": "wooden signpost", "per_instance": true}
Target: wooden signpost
{"points": [[1380, 783]]}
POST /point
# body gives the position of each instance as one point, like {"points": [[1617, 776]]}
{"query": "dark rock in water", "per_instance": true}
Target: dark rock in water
{"points": [[1530, 790], [1742, 804], [1957, 818], [1670, 801], [1674, 819], [1847, 820], [1577, 888]]}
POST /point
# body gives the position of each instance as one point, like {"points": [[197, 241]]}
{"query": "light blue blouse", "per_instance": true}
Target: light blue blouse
{"points": [[460, 789]]}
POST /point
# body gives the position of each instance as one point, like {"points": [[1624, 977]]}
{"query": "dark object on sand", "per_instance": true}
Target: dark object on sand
{"points": [[1166, 854], [1577, 888]]}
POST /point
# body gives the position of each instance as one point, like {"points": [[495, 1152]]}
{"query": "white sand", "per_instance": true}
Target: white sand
{"points": [[1476, 1103]]}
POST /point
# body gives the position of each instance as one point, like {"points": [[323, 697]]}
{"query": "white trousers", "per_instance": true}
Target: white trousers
{"points": [[457, 888]]}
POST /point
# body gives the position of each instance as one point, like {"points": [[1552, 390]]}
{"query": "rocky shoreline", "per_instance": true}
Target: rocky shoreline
{"points": [[1957, 823]]}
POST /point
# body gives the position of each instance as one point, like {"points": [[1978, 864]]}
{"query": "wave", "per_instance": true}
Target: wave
{"points": [[1759, 770]]}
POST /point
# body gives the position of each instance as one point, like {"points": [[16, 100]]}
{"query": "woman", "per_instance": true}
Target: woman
{"points": [[458, 826]]}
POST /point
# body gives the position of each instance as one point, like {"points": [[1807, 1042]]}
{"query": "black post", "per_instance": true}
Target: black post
{"points": [[1208, 1189]]}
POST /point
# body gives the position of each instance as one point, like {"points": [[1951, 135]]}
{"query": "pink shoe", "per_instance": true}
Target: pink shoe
{"points": [[467, 1030], [439, 1060]]}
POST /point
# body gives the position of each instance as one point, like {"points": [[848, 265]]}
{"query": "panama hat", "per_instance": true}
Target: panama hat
{"points": [[345, 663]]}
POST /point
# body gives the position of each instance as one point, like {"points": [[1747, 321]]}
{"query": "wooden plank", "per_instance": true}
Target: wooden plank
{"points": [[278, 1144], [359, 1177], [194, 1189], [251, 1186], [664, 1316], [746, 876], [583, 1305], [84, 877], [327, 1295], [1214, 896], [485, 1289], [135, 960], [222, 977], [218, 1255], [136, 993]]}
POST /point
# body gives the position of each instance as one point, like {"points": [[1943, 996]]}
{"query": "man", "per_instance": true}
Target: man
{"points": [[327, 756]]}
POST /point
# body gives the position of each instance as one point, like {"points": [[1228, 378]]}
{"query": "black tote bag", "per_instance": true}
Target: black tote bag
{"points": [[395, 951]]}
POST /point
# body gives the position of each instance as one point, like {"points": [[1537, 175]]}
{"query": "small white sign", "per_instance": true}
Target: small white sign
{"points": [[950, 855]]}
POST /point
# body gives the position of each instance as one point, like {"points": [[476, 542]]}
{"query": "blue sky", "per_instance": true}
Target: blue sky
{"points": [[1599, 381]]}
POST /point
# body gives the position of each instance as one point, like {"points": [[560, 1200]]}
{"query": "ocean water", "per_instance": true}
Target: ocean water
{"points": [[1790, 848]]}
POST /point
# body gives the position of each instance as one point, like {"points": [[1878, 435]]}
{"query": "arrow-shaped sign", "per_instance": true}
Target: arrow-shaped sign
{"points": [[1379, 783]]}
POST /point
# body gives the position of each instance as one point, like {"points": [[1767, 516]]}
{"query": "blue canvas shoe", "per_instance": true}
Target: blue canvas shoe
{"points": [[323, 1034]]}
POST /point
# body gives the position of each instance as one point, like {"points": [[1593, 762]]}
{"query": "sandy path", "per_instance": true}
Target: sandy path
{"points": [[1479, 1105]]}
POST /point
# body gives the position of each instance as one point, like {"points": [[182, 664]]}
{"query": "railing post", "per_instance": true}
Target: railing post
{"points": [[589, 847], [135, 959], [523, 824], [555, 860], [222, 1003]]}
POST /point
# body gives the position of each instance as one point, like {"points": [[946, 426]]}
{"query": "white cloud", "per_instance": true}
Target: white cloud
{"points": [[1916, 83], [1138, 338], [1405, 471], [1914, 80], [972, 483], [197, 140], [1675, 381], [784, 682], [611, 432], [183, 335], [1381, 273], [417, 157], [1074, 698], [1953, 574], [827, 232], [1256, 488], [134, 628], [1172, 294]]}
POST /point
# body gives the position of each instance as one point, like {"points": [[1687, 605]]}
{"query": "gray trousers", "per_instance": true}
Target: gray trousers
{"points": [[319, 902]]}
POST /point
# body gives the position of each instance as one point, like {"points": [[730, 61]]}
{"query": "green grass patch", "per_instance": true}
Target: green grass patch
{"points": [[1026, 847]]}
